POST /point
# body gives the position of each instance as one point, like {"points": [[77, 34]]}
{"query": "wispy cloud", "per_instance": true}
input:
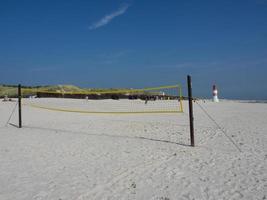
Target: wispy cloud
{"points": [[106, 19], [44, 69]]}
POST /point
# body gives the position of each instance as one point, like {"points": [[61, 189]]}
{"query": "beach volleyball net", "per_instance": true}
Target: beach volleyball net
{"points": [[62, 110], [163, 99]]}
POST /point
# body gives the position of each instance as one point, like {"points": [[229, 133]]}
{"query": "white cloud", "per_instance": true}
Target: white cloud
{"points": [[106, 19]]}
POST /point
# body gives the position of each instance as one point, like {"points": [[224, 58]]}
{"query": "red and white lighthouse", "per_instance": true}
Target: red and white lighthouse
{"points": [[215, 94]]}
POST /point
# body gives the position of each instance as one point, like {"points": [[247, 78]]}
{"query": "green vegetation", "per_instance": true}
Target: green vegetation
{"points": [[11, 90]]}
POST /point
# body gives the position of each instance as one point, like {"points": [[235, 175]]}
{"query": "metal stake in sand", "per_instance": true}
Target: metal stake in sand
{"points": [[191, 117], [19, 100]]}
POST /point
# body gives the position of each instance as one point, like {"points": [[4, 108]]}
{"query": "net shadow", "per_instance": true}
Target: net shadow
{"points": [[106, 135], [14, 125]]}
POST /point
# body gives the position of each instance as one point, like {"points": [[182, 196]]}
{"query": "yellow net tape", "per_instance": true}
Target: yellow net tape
{"points": [[112, 91], [101, 112]]}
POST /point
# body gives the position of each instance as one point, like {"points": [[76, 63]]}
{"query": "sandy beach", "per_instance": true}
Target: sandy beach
{"points": [[63, 155]]}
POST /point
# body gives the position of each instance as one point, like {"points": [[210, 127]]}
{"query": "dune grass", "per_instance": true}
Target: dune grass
{"points": [[12, 90]]}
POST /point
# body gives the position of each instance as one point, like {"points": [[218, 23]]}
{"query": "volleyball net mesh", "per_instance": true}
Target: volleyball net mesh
{"points": [[64, 111], [164, 99]]}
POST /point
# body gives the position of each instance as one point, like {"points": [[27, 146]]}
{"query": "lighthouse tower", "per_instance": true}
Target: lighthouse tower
{"points": [[215, 94]]}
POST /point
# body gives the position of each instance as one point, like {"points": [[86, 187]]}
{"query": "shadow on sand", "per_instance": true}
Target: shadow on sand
{"points": [[104, 135], [13, 125]]}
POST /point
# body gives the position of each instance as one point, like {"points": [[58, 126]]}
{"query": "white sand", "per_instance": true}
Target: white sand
{"points": [[60, 155]]}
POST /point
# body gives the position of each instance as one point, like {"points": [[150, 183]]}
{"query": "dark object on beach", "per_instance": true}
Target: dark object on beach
{"points": [[191, 118], [7, 99]]}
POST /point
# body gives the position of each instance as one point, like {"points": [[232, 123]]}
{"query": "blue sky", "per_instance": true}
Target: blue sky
{"points": [[137, 43]]}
